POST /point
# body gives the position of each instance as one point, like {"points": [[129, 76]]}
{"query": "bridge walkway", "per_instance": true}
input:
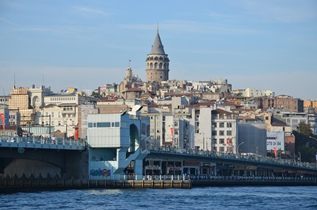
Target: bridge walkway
{"points": [[37, 142]]}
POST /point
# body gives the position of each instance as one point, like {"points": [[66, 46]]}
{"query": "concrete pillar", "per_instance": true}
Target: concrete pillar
{"points": [[138, 167]]}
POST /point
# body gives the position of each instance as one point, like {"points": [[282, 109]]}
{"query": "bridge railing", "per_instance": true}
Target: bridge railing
{"points": [[233, 156], [209, 177], [252, 178], [41, 140]]}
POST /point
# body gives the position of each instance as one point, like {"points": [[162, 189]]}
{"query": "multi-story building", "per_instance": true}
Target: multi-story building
{"points": [[60, 112], [20, 103], [289, 103], [265, 102], [214, 128], [254, 93], [286, 103], [224, 136], [294, 118]]}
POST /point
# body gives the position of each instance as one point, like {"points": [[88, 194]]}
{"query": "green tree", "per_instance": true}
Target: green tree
{"points": [[307, 153], [95, 94], [304, 128]]}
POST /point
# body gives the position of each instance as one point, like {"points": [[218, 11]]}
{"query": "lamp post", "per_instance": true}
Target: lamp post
{"points": [[238, 147], [66, 131]]}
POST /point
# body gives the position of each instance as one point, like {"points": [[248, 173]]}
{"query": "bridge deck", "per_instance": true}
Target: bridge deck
{"points": [[230, 158], [41, 143]]}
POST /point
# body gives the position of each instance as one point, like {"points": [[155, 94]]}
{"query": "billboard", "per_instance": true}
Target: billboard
{"points": [[275, 140]]}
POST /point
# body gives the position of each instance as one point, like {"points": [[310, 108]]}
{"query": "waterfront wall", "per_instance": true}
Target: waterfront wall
{"points": [[6, 184], [151, 182]]}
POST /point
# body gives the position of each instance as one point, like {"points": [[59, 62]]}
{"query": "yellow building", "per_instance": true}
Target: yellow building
{"points": [[308, 103]]}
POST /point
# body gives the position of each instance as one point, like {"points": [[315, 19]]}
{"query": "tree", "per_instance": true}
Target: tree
{"points": [[307, 153], [95, 94], [304, 128]]}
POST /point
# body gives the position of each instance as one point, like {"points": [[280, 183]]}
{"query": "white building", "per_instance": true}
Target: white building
{"points": [[61, 112], [116, 141], [252, 92], [213, 129]]}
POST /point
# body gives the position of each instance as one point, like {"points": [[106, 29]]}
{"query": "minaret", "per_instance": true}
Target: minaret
{"points": [[157, 62]]}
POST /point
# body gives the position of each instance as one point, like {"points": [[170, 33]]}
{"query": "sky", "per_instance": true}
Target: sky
{"points": [[266, 45]]}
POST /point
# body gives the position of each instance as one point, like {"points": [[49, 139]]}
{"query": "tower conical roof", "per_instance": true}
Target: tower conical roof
{"points": [[157, 47]]}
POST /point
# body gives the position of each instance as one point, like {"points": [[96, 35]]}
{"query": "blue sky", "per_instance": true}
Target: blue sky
{"points": [[86, 44]]}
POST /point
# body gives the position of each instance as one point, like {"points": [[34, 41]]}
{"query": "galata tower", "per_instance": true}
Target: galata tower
{"points": [[157, 62]]}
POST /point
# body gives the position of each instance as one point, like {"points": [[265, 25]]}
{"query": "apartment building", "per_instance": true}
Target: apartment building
{"points": [[253, 93], [294, 118], [289, 103]]}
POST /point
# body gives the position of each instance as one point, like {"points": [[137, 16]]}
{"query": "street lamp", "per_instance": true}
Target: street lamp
{"points": [[239, 147], [66, 132]]}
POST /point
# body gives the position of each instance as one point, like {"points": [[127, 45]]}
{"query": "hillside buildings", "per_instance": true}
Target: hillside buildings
{"points": [[201, 115]]}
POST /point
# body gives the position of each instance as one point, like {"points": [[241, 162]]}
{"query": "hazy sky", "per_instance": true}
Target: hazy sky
{"points": [[86, 44]]}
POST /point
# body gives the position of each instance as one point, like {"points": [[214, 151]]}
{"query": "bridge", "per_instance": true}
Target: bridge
{"points": [[56, 158], [234, 159], [33, 156]]}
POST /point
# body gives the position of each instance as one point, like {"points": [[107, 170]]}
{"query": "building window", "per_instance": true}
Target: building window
{"points": [[229, 133], [103, 124], [221, 133], [229, 125], [214, 133], [214, 125], [221, 141], [221, 149], [221, 125]]}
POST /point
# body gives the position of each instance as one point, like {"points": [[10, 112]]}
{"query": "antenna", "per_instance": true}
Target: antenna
{"points": [[14, 80], [129, 62], [157, 27]]}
